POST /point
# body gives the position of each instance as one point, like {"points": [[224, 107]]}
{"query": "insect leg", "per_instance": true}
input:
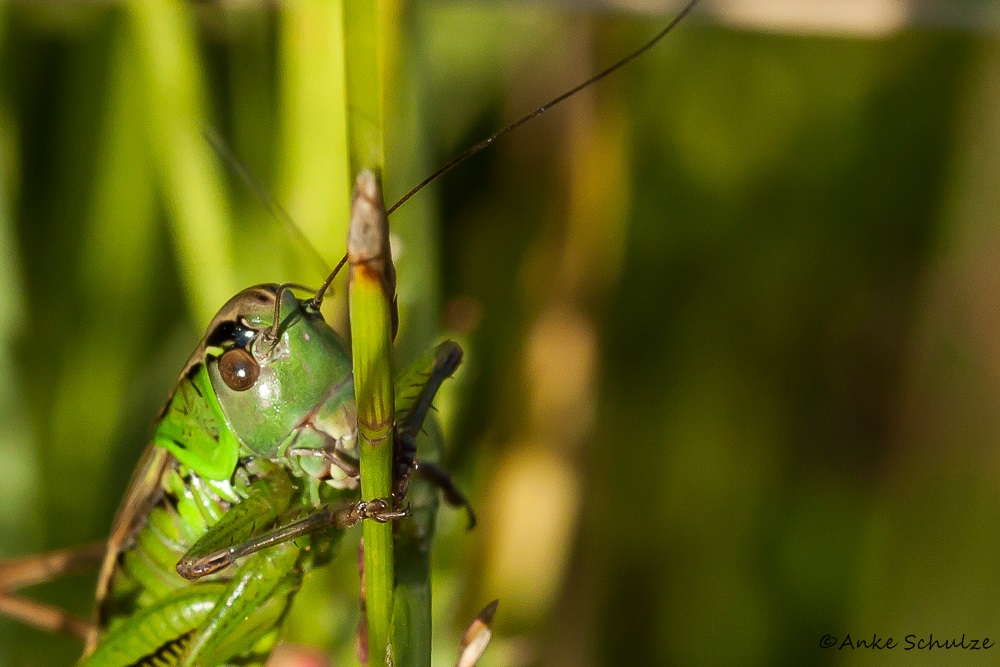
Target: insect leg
{"points": [[447, 357], [441, 478], [249, 610], [160, 633], [344, 462], [17, 573], [266, 501], [340, 516], [44, 617], [347, 465], [208, 623]]}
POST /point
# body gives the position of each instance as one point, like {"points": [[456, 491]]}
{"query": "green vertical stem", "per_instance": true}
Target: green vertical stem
{"points": [[364, 20], [372, 284], [371, 292]]}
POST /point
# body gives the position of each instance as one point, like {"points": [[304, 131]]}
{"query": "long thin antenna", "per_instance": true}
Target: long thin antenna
{"points": [[318, 299], [513, 126], [273, 206], [542, 109]]}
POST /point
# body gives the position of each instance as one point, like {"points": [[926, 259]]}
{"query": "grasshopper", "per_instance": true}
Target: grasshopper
{"points": [[249, 478], [250, 464]]}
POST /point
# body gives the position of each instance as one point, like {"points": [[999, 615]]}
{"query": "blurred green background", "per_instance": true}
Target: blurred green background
{"points": [[732, 366]]}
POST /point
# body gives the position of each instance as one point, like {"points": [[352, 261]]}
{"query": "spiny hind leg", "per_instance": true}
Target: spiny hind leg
{"points": [[263, 520], [426, 381], [193, 566], [17, 573]]}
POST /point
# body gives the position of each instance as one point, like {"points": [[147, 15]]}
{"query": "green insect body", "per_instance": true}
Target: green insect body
{"points": [[253, 448], [249, 476], [227, 461]]}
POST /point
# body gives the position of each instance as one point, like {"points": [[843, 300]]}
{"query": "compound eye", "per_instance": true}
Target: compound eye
{"points": [[238, 368]]}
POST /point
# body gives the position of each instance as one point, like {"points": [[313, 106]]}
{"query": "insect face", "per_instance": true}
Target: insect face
{"points": [[280, 385]]}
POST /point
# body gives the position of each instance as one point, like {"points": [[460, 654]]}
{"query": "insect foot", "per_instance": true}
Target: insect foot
{"points": [[380, 510]]}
